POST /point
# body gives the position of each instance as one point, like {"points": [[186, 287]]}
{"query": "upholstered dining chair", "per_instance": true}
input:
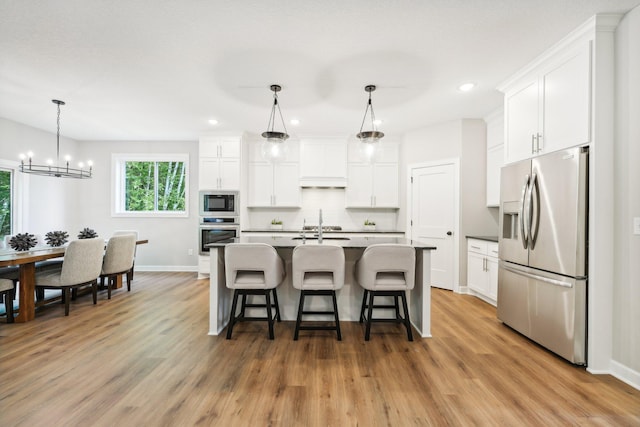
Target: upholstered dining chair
{"points": [[253, 269], [135, 233], [81, 266], [386, 270], [7, 293], [118, 259], [317, 270]]}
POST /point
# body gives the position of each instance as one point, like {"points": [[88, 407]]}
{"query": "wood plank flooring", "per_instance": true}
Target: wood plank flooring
{"points": [[144, 359]]}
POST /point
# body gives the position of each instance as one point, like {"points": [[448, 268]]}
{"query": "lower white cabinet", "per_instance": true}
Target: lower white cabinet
{"points": [[482, 269]]}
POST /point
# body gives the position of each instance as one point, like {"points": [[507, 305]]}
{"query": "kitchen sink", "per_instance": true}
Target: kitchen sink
{"points": [[323, 238]]}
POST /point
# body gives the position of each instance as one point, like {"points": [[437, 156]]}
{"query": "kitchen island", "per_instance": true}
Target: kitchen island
{"points": [[349, 297]]}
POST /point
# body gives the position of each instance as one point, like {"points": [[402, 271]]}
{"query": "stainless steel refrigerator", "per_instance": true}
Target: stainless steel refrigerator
{"points": [[542, 277]]}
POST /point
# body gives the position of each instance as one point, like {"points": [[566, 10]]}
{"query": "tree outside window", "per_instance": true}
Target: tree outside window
{"points": [[151, 185]]}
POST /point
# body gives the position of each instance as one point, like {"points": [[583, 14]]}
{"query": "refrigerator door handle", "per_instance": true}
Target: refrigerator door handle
{"points": [[524, 232], [534, 221], [539, 278]]}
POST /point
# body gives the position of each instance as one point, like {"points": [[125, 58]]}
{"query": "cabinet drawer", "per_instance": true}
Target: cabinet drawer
{"points": [[492, 249], [477, 246]]}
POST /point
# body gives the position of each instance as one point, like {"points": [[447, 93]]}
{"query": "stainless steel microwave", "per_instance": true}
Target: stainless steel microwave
{"points": [[219, 203]]}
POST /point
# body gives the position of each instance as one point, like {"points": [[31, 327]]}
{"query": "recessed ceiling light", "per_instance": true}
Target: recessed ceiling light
{"points": [[213, 122], [377, 122], [466, 87], [295, 122]]}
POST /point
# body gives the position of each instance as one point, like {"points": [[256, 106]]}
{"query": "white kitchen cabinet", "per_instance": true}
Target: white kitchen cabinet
{"points": [[548, 108], [273, 184], [495, 155], [372, 184], [482, 269], [323, 162], [219, 163]]}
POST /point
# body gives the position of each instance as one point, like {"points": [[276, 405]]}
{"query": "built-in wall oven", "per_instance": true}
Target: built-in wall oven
{"points": [[215, 229]]}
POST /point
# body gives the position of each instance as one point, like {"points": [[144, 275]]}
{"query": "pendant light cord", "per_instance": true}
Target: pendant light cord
{"points": [[272, 119], [58, 139], [373, 116]]}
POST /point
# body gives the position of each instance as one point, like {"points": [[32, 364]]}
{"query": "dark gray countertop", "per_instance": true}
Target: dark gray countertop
{"points": [[268, 230], [351, 242], [487, 238]]}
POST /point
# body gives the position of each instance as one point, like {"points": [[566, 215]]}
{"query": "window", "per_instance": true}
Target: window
{"points": [[6, 205], [151, 185]]}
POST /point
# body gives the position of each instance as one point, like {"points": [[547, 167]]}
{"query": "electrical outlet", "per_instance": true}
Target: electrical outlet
{"points": [[636, 225], [189, 251]]}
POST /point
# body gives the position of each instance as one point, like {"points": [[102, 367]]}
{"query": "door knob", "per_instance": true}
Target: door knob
{"points": [[449, 233]]}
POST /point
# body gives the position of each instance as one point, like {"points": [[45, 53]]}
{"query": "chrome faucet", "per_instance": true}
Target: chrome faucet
{"points": [[302, 233], [320, 227]]}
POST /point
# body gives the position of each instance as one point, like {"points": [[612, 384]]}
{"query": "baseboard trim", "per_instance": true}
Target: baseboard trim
{"points": [[173, 268], [625, 374]]}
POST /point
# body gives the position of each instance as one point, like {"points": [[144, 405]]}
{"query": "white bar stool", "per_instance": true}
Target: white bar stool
{"points": [[253, 269], [386, 270], [317, 270]]}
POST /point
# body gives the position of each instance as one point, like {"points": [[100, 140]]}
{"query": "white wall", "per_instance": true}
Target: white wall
{"points": [[464, 139], [626, 298], [169, 238]]}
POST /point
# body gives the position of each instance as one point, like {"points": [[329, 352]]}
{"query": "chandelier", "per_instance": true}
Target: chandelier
{"points": [[373, 135], [49, 169], [274, 147]]}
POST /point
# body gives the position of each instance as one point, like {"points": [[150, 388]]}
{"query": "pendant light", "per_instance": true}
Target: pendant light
{"points": [[274, 147], [369, 138], [372, 135], [49, 169]]}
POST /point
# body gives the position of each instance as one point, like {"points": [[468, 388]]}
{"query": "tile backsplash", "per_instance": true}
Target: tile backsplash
{"points": [[332, 203]]}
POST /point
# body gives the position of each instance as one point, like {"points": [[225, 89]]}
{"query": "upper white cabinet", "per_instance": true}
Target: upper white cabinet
{"points": [[273, 184], [219, 163], [495, 155], [548, 107], [372, 184], [323, 162]]}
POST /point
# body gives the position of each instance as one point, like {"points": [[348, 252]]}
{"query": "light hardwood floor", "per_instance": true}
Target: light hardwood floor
{"points": [[144, 359]]}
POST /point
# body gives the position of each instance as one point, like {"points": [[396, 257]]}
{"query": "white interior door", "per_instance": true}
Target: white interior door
{"points": [[433, 218]]}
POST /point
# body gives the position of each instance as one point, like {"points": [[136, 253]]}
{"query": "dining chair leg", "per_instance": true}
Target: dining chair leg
{"points": [[66, 292], [94, 289]]}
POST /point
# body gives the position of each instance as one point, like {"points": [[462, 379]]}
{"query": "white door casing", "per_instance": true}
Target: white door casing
{"points": [[433, 217]]}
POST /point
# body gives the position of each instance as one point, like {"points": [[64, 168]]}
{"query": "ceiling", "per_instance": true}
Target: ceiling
{"points": [[158, 70]]}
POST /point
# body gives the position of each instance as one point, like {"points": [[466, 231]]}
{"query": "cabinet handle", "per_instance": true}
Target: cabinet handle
{"points": [[475, 247], [533, 147], [484, 264], [538, 137]]}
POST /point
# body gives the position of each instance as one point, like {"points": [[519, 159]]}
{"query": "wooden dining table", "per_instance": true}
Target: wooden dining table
{"points": [[26, 261]]}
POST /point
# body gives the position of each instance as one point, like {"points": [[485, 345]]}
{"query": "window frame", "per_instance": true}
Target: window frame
{"points": [[118, 179], [19, 194]]}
